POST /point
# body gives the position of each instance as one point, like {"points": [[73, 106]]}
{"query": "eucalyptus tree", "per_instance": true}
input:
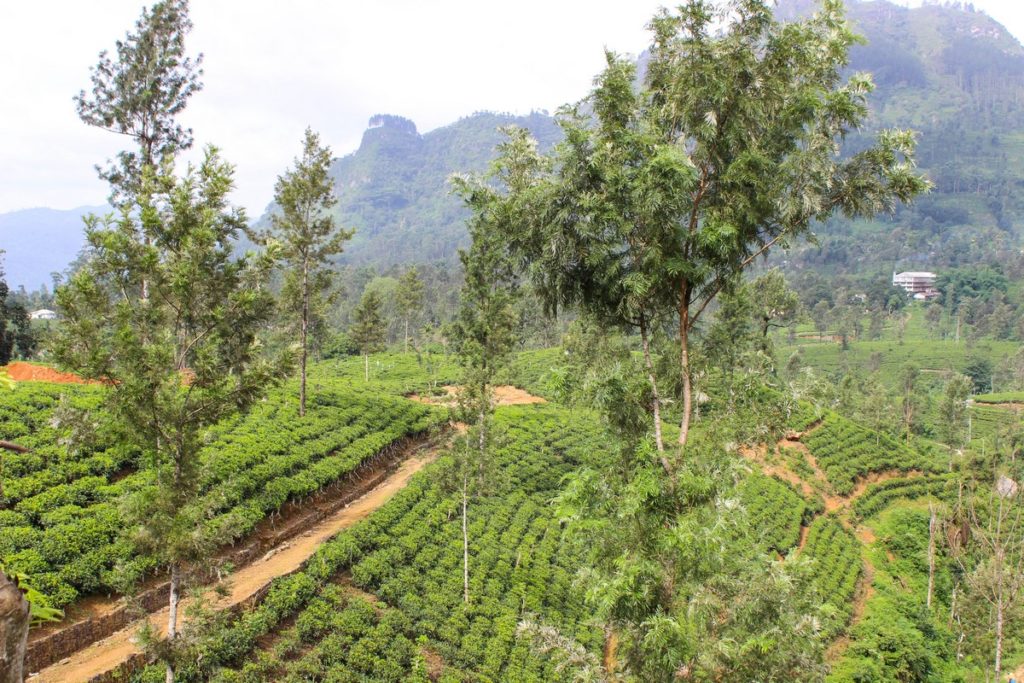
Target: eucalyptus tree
{"points": [[177, 355], [775, 304], [303, 228], [483, 332], [661, 194], [139, 93], [989, 550], [409, 298]]}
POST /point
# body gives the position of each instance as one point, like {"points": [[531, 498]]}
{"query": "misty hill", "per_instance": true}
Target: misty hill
{"points": [[394, 189], [38, 242], [955, 75]]}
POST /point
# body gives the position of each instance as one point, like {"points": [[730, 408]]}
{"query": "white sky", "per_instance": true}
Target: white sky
{"points": [[272, 68]]}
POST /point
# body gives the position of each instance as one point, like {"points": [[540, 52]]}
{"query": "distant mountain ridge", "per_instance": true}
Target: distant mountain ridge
{"points": [[394, 189], [37, 242], [953, 74]]}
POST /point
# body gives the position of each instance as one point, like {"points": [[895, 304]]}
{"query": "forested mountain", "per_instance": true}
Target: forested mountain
{"points": [[394, 189], [956, 76], [953, 74]]}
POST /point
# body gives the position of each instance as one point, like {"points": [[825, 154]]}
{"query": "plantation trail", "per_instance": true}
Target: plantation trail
{"points": [[820, 485], [506, 395], [248, 582], [1015, 406], [865, 591]]}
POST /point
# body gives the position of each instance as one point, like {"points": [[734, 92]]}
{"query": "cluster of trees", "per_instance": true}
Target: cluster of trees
{"points": [[17, 338], [659, 200]]}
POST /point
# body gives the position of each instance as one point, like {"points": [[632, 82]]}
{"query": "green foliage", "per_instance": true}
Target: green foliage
{"points": [[63, 521], [622, 222], [897, 639], [409, 299], [1001, 397], [306, 240], [836, 568], [368, 328], [881, 495], [847, 451], [976, 282], [40, 611], [163, 298], [409, 553], [775, 511], [17, 339], [953, 411]]}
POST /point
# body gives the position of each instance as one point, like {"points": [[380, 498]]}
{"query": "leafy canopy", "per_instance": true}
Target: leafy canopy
{"points": [[662, 194]]}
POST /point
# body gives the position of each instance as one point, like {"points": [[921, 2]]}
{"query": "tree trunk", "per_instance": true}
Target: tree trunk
{"points": [[465, 537], [305, 331], [407, 334], [366, 367], [172, 613], [999, 639], [14, 622], [656, 399], [931, 556], [684, 365]]}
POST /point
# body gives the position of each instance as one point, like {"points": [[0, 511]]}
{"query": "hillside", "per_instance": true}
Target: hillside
{"points": [[394, 189], [954, 75], [373, 589]]}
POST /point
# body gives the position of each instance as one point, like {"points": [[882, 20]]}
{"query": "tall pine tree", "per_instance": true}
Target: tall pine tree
{"points": [[368, 330], [162, 312], [309, 238]]}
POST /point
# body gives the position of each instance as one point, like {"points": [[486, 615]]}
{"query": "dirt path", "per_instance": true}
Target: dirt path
{"points": [[506, 395], [111, 652], [805, 531], [865, 591], [820, 485]]}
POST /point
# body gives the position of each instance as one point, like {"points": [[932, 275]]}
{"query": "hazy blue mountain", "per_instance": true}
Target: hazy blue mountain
{"points": [[38, 242]]}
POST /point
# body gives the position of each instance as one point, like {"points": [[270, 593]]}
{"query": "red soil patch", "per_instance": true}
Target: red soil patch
{"points": [[30, 372], [503, 396], [866, 535]]}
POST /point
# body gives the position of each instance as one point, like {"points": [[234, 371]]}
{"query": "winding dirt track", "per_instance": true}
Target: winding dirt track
{"points": [[111, 652], [834, 503]]}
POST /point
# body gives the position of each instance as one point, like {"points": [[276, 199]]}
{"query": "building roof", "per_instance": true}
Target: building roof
{"points": [[915, 273]]}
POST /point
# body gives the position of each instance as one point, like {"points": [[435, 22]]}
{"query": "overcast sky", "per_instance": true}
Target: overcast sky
{"points": [[272, 68]]}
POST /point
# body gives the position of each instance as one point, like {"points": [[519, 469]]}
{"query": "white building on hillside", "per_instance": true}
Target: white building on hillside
{"points": [[43, 314], [919, 283]]}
